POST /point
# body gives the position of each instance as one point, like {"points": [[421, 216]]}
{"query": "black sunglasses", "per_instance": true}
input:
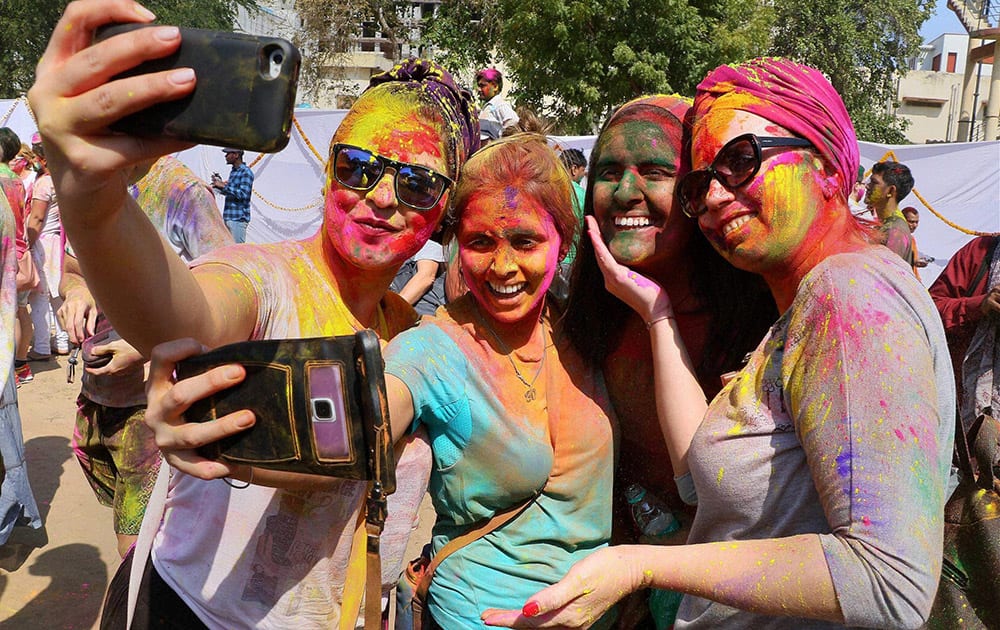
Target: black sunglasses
{"points": [[734, 165], [418, 187]]}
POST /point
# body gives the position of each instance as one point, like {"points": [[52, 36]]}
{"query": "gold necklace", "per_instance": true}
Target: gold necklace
{"points": [[530, 393]]}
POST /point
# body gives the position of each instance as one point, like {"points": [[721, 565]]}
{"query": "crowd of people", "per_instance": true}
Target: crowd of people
{"points": [[705, 317]]}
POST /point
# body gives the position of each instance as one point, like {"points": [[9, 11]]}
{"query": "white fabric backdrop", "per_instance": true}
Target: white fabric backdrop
{"points": [[961, 181]]}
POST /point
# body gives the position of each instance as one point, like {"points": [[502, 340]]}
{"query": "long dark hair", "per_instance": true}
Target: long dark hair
{"points": [[740, 305]]}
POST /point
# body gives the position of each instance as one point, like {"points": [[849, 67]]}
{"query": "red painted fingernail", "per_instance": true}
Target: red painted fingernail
{"points": [[530, 609]]}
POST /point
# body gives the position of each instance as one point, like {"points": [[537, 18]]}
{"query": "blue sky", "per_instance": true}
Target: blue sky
{"points": [[944, 20]]}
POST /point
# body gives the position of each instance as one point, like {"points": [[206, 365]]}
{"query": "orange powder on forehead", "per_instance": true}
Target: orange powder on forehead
{"points": [[398, 119]]}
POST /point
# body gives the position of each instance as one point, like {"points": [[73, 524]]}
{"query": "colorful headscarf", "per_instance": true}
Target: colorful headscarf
{"points": [[454, 102], [795, 96], [673, 105]]}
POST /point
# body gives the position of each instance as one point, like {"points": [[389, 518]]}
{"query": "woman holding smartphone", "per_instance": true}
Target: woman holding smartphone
{"points": [[227, 556], [821, 467]]}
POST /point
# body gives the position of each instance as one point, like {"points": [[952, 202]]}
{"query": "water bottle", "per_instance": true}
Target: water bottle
{"points": [[655, 520], [651, 515]]}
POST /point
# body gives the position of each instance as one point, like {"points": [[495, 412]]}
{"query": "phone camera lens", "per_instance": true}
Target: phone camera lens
{"points": [[277, 58], [322, 409]]}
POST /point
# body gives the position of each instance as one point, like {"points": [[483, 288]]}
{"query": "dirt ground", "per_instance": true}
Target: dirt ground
{"points": [[55, 579]]}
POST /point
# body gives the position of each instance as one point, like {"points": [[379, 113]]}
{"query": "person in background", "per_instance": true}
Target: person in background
{"points": [[576, 164], [17, 502], [245, 554], [113, 445], [420, 280], [967, 295], [821, 468], [489, 85], [13, 189], [44, 229], [890, 182], [237, 190], [912, 217]]}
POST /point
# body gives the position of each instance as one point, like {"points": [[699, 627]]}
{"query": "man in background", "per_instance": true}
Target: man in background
{"points": [[912, 217], [237, 190], [889, 183]]}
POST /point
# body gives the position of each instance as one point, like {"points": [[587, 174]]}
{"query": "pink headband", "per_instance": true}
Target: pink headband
{"points": [[797, 97]]}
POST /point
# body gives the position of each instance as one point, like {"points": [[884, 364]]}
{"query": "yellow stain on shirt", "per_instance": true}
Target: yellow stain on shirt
{"points": [[718, 477]]}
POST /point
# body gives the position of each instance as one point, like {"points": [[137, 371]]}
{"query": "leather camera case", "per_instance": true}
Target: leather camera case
{"points": [[320, 405]]}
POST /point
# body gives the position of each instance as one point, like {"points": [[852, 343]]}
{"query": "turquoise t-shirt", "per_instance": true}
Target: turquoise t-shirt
{"points": [[493, 449]]}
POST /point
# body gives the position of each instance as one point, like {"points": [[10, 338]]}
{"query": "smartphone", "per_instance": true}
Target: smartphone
{"points": [[244, 97]]}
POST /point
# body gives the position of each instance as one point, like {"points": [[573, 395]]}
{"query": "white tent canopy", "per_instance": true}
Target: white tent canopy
{"points": [[958, 181]]}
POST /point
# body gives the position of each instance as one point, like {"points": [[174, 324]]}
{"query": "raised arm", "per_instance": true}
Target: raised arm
{"points": [[145, 289], [680, 401]]}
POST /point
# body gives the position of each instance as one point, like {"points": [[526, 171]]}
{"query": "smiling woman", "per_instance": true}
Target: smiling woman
{"points": [[242, 556], [821, 468], [511, 410]]}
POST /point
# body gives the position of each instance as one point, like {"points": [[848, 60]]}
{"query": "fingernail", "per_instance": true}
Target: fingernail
{"points": [[182, 76], [244, 420], [143, 12], [232, 372], [166, 33], [530, 609]]}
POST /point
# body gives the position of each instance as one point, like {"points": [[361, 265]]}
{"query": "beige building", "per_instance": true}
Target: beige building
{"points": [[344, 74], [930, 93]]}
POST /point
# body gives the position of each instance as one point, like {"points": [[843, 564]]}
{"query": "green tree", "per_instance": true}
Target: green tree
{"points": [[862, 47], [574, 60], [26, 26]]}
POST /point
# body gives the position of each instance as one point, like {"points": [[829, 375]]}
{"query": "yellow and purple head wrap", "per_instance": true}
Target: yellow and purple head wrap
{"points": [[795, 96], [454, 102]]}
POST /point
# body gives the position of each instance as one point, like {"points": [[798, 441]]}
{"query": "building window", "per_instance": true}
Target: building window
{"points": [[952, 60], [936, 63]]}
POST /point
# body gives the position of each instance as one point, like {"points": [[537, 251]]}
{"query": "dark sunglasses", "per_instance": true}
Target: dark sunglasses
{"points": [[416, 186], [734, 165]]}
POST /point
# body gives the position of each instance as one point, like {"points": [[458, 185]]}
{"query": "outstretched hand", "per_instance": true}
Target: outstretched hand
{"points": [[75, 100], [644, 296], [168, 400], [581, 598]]}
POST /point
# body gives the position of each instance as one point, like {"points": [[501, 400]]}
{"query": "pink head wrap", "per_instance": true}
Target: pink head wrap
{"points": [[797, 97]]}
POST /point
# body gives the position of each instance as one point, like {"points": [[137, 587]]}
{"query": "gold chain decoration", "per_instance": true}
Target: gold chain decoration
{"points": [[950, 223], [315, 203], [889, 154], [298, 127], [13, 106], [10, 111]]}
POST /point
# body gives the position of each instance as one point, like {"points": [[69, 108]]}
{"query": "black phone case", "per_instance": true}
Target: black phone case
{"points": [[277, 390], [235, 102]]}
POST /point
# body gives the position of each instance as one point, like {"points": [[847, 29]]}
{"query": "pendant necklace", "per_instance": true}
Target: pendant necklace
{"points": [[530, 393]]}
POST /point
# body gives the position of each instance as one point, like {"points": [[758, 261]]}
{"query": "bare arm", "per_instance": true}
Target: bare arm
{"points": [[421, 281], [148, 292], [36, 220], [778, 576], [680, 401]]}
